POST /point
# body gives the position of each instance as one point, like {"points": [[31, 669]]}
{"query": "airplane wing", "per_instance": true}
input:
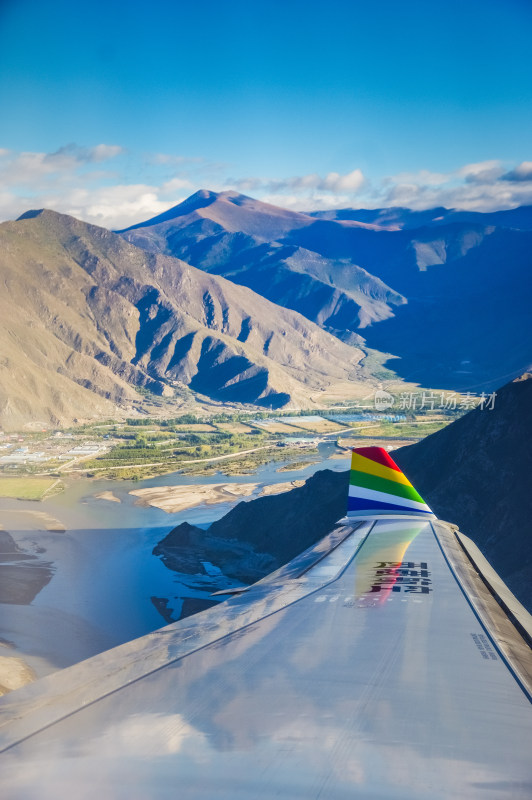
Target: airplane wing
{"points": [[387, 661]]}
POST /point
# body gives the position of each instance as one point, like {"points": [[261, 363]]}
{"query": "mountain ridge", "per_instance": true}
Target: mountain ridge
{"points": [[245, 240], [427, 294], [106, 316]]}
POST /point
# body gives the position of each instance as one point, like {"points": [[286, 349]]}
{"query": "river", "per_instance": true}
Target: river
{"points": [[103, 574]]}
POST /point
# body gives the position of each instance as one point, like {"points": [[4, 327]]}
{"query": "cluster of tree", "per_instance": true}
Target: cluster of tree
{"points": [[186, 419]]}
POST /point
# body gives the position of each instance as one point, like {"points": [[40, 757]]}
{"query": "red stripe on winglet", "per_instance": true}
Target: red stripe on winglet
{"points": [[377, 454]]}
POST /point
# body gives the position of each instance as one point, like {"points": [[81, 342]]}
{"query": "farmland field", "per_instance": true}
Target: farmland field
{"points": [[273, 426], [196, 427], [26, 488], [234, 427], [317, 425]]}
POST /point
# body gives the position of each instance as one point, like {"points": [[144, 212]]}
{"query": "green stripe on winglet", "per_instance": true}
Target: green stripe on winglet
{"points": [[383, 485]]}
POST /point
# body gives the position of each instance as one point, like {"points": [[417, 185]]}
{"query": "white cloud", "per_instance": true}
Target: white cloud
{"points": [[175, 185], [522, 172], [300, 182], [102, 152], [423, 177], [167, 158], [352, 182], [73, 153], [68, 181], [479, 186], [244, 184], [112, 206], [481, 172], [63, 182], [468, 195], [64, 164], [12, 206], [311, 192], [317, 201], [474, 173]]}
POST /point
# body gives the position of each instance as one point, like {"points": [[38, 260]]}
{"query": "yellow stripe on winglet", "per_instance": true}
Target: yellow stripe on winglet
{"points": [[363, 464]]}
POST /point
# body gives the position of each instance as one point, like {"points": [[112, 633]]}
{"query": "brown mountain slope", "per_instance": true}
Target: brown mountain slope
{"points": [[85, 316]]}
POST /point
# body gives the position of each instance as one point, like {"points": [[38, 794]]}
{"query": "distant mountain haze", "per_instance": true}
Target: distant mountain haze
{"points": [[85, 317], [396, 218], [445, 290]]}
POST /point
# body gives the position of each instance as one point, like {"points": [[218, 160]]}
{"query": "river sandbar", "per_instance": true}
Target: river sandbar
{"points": [[108, 496], [173, 499]]}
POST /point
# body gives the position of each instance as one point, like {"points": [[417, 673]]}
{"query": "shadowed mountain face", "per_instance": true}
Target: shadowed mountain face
{"points": [[441, 289], [475, 473], [258, 536], [242, 239], [85, 317]]}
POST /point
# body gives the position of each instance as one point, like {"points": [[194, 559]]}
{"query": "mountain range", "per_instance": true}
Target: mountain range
{"points": [[397, 218], [87, 318], [241, 238], [224, 298], [446, 292]]}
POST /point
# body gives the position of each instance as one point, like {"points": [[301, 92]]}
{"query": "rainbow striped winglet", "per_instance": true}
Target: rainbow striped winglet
{"points": [[377, 486]]}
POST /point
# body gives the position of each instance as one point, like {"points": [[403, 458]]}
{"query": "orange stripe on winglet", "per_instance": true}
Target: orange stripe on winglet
{"points": [[362, 464]]}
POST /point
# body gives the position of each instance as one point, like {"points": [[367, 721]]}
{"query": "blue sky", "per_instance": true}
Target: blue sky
{"points": [[115, 111]]}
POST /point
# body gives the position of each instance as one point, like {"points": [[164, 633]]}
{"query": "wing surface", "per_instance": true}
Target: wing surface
{"points": [[377, 664]]}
